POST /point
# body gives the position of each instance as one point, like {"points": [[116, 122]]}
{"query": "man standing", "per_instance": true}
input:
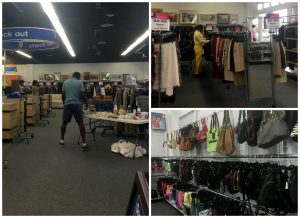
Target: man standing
{"points": [[72, 97]]}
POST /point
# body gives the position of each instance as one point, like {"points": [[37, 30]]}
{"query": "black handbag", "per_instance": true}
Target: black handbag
{"points": [[241, 127], [250, 129], [273, 130]]}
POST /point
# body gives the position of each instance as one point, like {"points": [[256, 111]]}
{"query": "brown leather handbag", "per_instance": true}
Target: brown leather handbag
{"points": [[185, 141], [225, 144]]}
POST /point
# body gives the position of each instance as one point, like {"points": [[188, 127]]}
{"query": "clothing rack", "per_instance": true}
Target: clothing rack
{"points": [[231, 157], [235, 199], [161, 35]]}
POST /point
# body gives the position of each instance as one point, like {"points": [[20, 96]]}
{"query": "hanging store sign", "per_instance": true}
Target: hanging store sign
{"points": [[160, 24], [272, 23], [29, 38]]}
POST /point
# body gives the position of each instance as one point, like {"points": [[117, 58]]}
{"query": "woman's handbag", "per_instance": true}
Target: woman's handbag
{"points": [[272, 130], [213, 133], [201, 136], [186, 138], [226, 145], [251, 133], [240, 128], [171, 142]]}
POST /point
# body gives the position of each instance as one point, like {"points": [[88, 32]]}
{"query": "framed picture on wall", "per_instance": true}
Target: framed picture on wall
{"points": [[155, 10], [116, 77], [158, 121], [208, 17], [94, 76], [105, 76], [188, 17], [173, 16], [223, 18], [234, 18]]}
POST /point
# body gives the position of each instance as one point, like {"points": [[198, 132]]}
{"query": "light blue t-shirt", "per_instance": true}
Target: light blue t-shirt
{"points": [[72, 88]]}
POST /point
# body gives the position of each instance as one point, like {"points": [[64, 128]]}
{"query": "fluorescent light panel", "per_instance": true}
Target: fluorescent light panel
{"points": [[138, 41], [49, 10], [24, 54]]}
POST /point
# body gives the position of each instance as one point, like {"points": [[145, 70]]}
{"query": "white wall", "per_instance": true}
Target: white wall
{"points": [[252, 8], [239, 8], [30, 72]]}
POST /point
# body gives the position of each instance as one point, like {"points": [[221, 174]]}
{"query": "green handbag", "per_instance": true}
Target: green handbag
{"points": [[213, 133]]}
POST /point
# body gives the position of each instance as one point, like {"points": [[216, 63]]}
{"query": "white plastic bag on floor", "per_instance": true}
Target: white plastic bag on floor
{"points": [[127, 149]]}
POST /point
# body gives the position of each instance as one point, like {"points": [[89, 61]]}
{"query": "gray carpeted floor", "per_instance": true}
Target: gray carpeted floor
{"points": [[206, 92], [44, 179], [163, 208]]}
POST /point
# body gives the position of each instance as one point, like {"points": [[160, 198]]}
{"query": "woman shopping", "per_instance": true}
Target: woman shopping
{"points": [[199, 41]]}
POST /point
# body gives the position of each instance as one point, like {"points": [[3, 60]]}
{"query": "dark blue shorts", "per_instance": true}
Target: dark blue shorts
{"points": [[70, 110]]}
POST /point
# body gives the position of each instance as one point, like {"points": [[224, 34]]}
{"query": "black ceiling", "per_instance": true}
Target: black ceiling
{"points": [[80, 20]]}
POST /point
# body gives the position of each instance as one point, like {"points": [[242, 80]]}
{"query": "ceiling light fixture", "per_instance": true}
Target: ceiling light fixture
{"points": [[138, 41], [49, 10], [101, 43], [24, 54], [106, 25], [110, 15]]}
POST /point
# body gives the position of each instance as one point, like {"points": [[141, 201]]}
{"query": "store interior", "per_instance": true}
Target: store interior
{"points": [[43, 45], [252, 76], [191, 174]]}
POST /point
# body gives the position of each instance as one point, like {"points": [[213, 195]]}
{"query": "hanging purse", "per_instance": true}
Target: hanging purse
{"points": [[201, 136], [251, 133], [213, 133], [294, 133], [240, 128], [170, 142], [185, 143], [225, 144], [272, 130]]}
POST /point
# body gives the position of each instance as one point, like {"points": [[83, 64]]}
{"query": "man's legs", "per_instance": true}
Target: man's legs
{"points": [[67, 116], [63, 130], [82, 132], [79, 119]]}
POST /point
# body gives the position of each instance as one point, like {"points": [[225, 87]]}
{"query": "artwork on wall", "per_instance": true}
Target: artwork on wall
{"points": [[158, 121], [155, 10], [105, 76], [208, 17], [173, 16], [65, 77], [188, 17], [56, 76], [223, 18], [234, 18], [94, 76], [116, 77]]}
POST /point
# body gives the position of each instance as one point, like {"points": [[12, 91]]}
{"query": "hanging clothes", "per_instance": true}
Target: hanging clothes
{"points": [[239, 64], [279, 61], [169, 68], [228, 74]]}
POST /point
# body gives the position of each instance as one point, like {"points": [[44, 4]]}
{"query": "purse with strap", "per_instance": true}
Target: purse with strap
{"points": [[201, 136], [185, 143], [225, 144], [213, 133], [240, 128], [250, 130], [272, 130]]}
